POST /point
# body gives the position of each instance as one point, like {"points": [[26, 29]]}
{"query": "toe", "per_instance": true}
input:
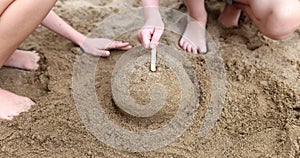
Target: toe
{"points": [[36, 66], [181, 43], [118, 44], [194, 50], [28, 102], [126, 47], [189, 48], [14, 113], [6, 117], [37, 59], [203, 49], [185, 45], [31, 66]]}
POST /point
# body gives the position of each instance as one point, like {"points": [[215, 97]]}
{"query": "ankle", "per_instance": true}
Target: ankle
{"points": [[202, 19]]}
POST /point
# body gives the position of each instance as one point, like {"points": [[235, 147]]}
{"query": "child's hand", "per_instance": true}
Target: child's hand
{"points": [[153, 28], [101, 46]]}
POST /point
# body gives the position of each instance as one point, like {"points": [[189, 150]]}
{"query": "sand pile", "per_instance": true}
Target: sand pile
{"points": [[260, 117], [143, 93]]}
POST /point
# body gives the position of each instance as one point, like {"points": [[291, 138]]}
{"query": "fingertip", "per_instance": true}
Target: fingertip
{"points": [[128, 47], [105, 54]]}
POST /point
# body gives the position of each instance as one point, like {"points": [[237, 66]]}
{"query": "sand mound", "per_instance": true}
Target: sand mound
{"points": [[143, 93]]}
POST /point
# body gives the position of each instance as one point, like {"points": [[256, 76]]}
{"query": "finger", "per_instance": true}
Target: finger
{"points": [[139, 37], [156, 36], [104, 53], [117, 44], [126, 47], [145, 37], [101, 53]]}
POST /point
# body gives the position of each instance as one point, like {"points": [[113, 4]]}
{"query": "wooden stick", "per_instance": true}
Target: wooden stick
{"points": [[153, 59]]}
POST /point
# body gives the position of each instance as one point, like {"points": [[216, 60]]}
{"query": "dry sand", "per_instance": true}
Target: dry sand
{"points": [[261, 115]]}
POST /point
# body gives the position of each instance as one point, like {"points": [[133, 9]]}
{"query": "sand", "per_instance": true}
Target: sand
{"points": [[260, 118]]}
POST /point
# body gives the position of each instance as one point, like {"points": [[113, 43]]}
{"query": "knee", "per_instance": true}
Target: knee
{"points": [[280, 24], [278, 34]]}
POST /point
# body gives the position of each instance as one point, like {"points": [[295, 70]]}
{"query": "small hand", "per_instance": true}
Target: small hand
{"points": [[153, 28], [101, 46]]}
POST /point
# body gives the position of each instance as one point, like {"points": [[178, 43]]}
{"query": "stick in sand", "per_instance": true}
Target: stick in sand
{"points": [[153, 58]]}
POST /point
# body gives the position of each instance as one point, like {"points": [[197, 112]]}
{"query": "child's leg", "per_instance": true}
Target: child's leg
{"points": [[274, 18], [193, 39], [230, 16], [18, 20]]}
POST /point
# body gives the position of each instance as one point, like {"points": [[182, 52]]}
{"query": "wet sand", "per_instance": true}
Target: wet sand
{"points": [[261, 115]]}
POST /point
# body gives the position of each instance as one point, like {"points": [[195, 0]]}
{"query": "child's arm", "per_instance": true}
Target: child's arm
{"points": [[150, 3], [153, 28], [54, 23], [95, 46]]}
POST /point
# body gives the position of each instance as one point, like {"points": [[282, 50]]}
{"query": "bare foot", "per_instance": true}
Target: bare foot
{"points": [[230, 16], [26, 60], [193, 39], [12, 105]]}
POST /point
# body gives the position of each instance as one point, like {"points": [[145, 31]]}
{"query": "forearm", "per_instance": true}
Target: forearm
{"points": [[151, 11], [150, 3], [54, 23]]}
